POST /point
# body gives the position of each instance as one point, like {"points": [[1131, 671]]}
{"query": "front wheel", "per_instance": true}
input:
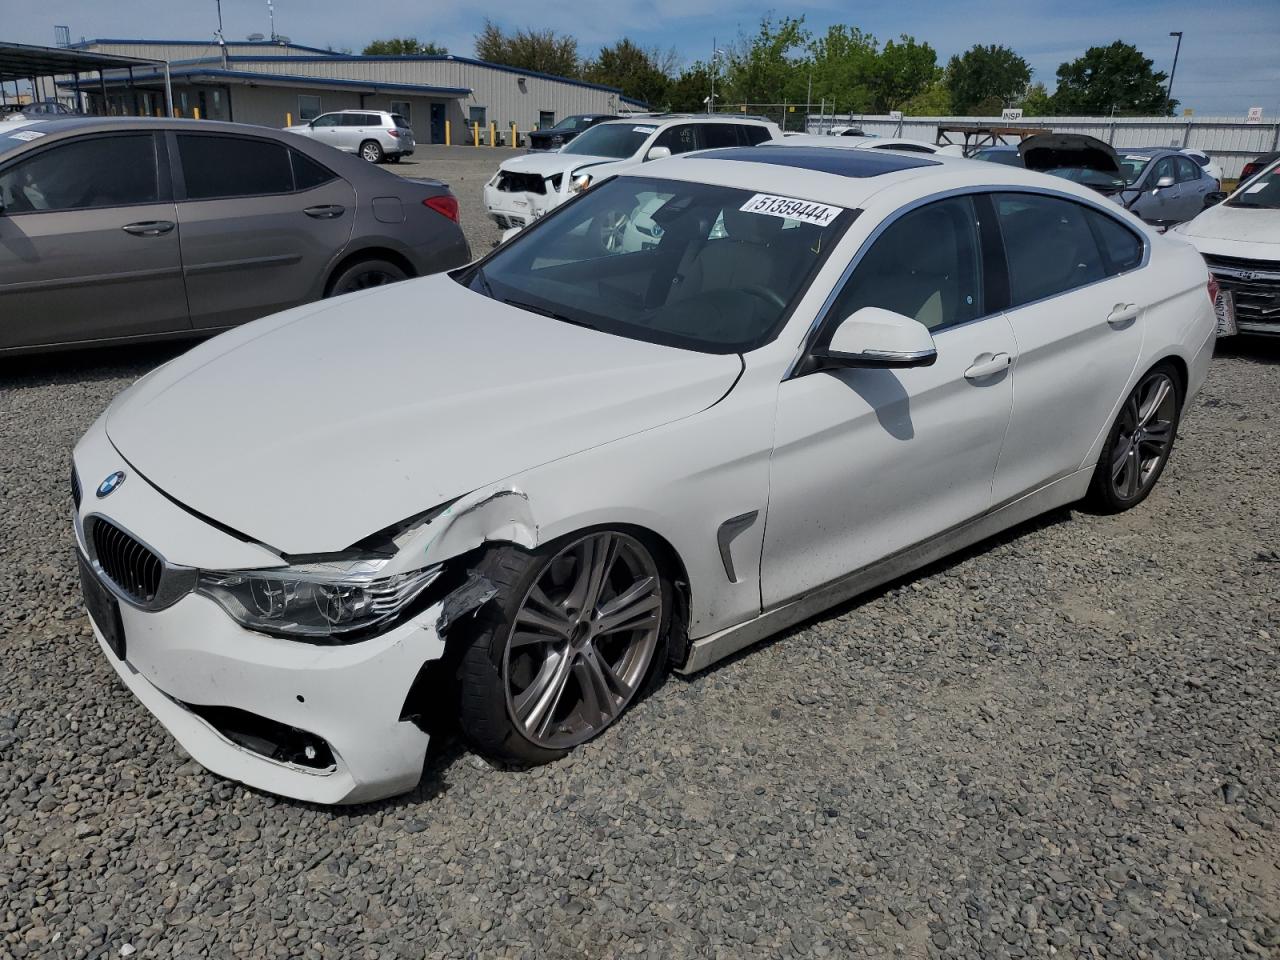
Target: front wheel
{"points": [[371, 150], [1139, 444], [562, 650]]}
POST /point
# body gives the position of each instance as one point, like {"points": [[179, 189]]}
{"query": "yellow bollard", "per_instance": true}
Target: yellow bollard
{"points": [[288, 119], [475, 134], [448, 134], [195, 112], [493, 133], [513, 135]]}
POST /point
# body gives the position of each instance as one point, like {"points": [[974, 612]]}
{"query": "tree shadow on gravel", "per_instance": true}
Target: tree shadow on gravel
{"points": [[1253, 349], [82, 366], [1034, 525]]}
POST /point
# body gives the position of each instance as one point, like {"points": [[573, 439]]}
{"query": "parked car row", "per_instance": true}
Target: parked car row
{"points": [[131, 228]]}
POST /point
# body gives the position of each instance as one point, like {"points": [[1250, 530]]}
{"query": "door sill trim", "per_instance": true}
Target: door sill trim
{"points": [[714, 647]]}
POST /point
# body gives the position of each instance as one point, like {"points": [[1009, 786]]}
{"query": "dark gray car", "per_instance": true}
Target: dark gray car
{"points": [[129, 228]]}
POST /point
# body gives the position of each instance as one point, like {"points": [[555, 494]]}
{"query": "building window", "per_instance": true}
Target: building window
{"points": [[308, 106], [478, 116], [546, 119], [402, 107]]}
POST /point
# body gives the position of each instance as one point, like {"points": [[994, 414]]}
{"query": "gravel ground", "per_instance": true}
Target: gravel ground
{"points": [[1063, 741]]}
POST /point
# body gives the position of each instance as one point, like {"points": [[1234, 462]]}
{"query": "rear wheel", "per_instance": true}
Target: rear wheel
{"points": [[563, 649], [371, 150], [1139, 444], [366, 274]]}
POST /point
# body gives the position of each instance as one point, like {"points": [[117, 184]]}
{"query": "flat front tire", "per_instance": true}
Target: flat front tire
{"points": [[576, 630]]}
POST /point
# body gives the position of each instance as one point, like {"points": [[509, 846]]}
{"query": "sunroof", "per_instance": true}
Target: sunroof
{"points": [[842, 161]]}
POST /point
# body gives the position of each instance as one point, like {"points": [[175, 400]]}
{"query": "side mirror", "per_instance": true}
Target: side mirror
{"points": [[1216, 197], [873, 337], [657, 153], [1164, 182]]}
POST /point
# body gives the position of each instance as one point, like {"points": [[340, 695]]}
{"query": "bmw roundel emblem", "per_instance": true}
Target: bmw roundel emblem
{"points": [[109, 485]]}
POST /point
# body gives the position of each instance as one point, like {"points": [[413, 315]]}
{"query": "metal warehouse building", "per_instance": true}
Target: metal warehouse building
{"points": [[271, 82]]}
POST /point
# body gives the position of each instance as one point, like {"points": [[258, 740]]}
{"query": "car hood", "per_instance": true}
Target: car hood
{"points": [[1053, 151], [549, 164], [1239, 224], [312, 429]]}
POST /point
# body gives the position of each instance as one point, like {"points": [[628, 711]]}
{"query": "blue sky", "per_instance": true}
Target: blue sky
{"points": [[1230, 51]]}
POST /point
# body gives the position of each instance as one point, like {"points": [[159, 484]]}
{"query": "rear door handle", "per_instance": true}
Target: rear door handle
{"points": [[988, 365], [149, 228], [325, 211], [1123, 313]]}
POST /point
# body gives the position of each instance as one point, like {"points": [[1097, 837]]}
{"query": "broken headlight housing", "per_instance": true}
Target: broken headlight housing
{"points": [[320, 601]]}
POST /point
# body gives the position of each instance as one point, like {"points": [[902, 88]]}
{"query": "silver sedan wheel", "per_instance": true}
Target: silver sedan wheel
{"points": [[583, 639], [1145, 436]]}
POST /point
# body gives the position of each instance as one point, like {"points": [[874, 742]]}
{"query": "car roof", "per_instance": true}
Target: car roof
{"points": [[848, 178], [664, 118]]}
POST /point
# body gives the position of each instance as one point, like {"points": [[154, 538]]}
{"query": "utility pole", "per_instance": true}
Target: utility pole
{"points": [[808, 103], [1174, 68], [711, 100], [222, 45]]}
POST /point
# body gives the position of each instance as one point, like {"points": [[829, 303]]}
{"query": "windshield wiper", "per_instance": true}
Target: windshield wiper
{"points": [[543, 311], [484, 281]]}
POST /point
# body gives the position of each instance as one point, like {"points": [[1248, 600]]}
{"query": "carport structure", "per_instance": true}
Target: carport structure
{"points": [[20, 61]]}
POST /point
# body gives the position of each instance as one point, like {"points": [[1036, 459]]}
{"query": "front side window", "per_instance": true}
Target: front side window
{"points": [[1163, 168], [681, 138], [218, 166], [686, 264], [308, 106], [83, 174], [925, 265], [1048, 244], [615, 140], [328, 120]]}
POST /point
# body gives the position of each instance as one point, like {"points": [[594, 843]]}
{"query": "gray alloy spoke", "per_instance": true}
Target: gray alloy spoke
{"points": [[596, 699], [1134, 475], [586, 559], [641, 609], [1119, 459], [523, 638], [559, 626], [606, 552], [1156, 398], [537, 705]]}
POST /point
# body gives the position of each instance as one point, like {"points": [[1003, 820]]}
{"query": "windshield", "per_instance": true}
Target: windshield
{"points": [[1096, 179], [617, 140], [1262, 191], [691, 265], [1131, 166], [573, 123]]}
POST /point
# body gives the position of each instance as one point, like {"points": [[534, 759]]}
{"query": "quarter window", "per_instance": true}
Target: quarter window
{"points": [[83, 174], [216, 166], [925, 265], [1049, 245], [754, 135]]}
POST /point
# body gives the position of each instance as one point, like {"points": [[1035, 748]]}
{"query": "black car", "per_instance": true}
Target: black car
{"points": [[1255, 165], [553, 138]]}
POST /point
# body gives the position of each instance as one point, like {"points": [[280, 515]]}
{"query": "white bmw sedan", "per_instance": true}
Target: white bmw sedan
{"points": [[527, 488]]}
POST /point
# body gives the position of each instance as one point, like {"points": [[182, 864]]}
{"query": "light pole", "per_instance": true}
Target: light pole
{"points": [[715, 60], [1174, 68]]}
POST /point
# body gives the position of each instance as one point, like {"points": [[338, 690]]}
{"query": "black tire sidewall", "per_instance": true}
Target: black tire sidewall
{"points": [[361, 266], [1102, 494]]}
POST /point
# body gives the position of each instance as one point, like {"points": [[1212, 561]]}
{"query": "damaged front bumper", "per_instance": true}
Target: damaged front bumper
{"points": [[518, 209]]}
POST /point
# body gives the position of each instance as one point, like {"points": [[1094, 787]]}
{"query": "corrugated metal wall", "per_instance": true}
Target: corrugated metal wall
{"points": [[1229, 140], [173, 52]]}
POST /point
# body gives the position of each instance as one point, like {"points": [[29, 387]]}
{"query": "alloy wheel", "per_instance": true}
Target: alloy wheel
{"points": [[582, 640], [1145, 436], [371, 152]]}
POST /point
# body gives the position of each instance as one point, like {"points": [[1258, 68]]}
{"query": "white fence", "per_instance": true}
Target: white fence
{"points": [[1229, 140]]}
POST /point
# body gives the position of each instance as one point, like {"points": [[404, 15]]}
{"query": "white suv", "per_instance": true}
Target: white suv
{"points": [[375, 135], [526, 187]]}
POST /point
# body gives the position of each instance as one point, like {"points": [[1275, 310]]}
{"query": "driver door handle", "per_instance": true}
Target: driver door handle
{"points": [[149, 228], [988, 365], [325, 211], [1123, 313]]}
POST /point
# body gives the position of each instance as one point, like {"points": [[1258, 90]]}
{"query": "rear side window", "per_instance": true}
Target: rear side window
{"points": [[94, 172], [925, 265], [216, 166], [351, 120], [719, 135], [753, 135], [1049, 245], [1121, 247], [307, 173]]}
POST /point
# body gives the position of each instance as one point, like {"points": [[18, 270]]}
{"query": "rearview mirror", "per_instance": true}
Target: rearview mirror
{"points": [[873, 337], [1164, 182], [657, 153]]}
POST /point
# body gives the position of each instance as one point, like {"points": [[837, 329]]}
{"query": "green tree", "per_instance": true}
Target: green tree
{"points": [[544, 51], [763, 68], [933, 101], [1115, 78], [688, 91], [1037, 102], [984, 76], [403, 46], [640, 73], [843, 63], [904, 69]]}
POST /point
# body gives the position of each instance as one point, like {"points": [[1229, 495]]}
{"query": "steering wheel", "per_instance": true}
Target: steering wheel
{"points": [[765, 294]]}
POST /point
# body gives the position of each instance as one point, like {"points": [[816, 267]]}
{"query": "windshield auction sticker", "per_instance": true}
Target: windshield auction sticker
{"points": [[27, 135], [791, 209]]}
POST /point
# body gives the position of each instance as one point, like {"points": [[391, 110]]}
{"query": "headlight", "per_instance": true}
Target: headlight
{"points": [[580, 183], [317, 600]]}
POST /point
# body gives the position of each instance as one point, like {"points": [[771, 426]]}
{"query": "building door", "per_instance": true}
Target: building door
{"points": [[437, 122]]}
